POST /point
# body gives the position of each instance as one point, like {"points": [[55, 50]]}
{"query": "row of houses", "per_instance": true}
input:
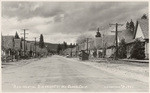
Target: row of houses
{"points": [[15, 48], [106, 43], [140, 31]]}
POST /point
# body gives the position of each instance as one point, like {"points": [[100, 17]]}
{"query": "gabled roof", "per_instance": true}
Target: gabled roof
{"points": [[82, 46], [98, 42], [8, 37], [28, 46], [143, 23], [91, 44], [67, 50], [74, 49], [132, 41], [109, 40], [126, 34], [17, 44], [7, 42]]}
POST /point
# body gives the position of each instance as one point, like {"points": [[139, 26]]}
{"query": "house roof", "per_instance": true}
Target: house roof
{"points": [[109, 40], [17, 44], [7, 37], [68, 49], [74, 49], [82, 46], [143, 23], [98, 42], [28, 46], [91, 44], [126, 34], [7, 42], [133, 40]]}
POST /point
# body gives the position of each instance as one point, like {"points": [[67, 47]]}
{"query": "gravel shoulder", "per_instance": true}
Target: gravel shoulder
{"points": [[138, 71]]}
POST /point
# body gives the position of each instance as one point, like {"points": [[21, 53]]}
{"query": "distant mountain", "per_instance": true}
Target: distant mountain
{"points": [[50, 46]]}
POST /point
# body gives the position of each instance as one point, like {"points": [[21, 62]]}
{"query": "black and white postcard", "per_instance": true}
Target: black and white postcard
{"points": [[75, 46]]}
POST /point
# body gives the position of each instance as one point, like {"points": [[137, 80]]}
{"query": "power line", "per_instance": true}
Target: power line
{"points": [[24, 39], [116, 37]]}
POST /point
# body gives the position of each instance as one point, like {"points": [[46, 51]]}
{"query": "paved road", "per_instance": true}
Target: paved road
{"points": [[58, 73]]}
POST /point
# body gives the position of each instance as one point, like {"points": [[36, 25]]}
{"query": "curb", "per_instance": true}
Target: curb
{"points": [[136, 61]]}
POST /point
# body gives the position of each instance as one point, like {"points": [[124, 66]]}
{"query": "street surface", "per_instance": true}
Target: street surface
{"points": [[60, 74]]}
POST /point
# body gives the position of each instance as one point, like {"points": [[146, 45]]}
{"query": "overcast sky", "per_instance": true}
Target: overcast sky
{"points": [[65, 21]]}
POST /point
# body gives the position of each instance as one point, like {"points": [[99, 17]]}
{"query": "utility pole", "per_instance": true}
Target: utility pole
{"points": [[116, 37], [24, 39], [35, 46], [87, 44], [103, 46], [76, 50], [71, 51]]}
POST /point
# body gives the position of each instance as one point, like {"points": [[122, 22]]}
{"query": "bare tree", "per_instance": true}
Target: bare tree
{"points": [[82, 38]]}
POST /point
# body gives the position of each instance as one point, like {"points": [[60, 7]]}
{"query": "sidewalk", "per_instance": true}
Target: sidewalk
{"points": [[125, 60], [15, 63], [133, 60], [131, 70]]}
